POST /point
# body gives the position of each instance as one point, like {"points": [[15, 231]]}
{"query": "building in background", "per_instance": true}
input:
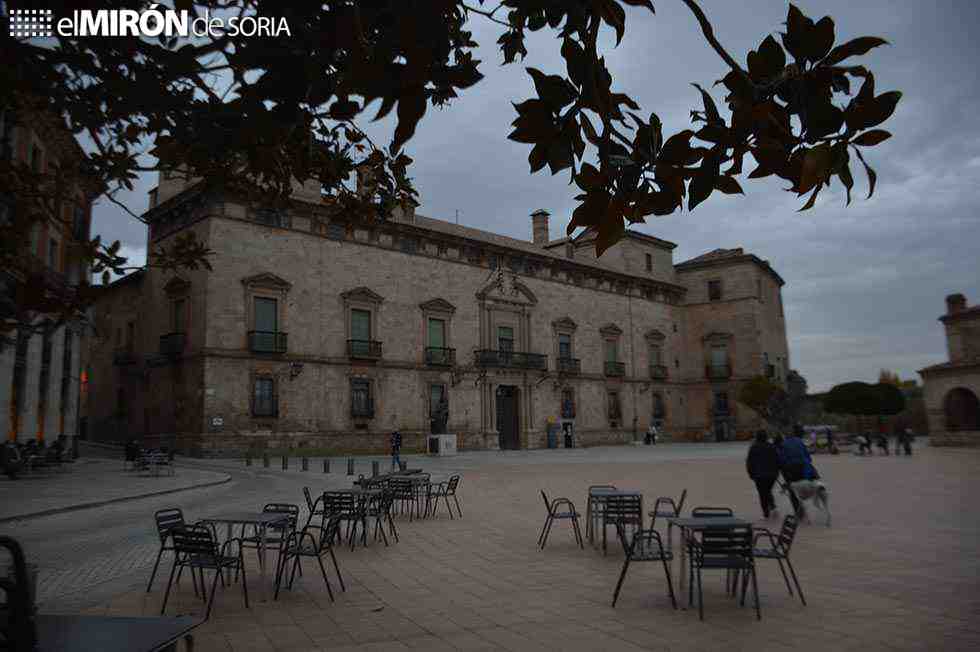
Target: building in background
{"points": [[315, 331], [40, 362], [952, 387]]}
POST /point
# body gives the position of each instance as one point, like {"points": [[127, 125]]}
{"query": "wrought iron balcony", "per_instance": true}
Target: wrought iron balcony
{"points": [[436, 356], [267, 341], [123, 357], [364, 349], [614, 368], [571, 366], [172, 344], [658, 371], [511, 359], [362, 409], [718, 371]]}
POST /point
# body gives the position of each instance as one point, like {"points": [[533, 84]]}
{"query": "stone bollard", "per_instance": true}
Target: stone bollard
{"points": [[374, 469], [285, 462], [350, 466], [265, 460], [306, 463], [326, 465]]}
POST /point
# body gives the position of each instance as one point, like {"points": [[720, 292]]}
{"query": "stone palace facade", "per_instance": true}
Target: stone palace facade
{"points": [[313, 332]]}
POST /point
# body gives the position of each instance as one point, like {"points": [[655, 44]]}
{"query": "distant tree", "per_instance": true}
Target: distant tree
{"points": [[259, 114], [861, 399], [768, 400]]}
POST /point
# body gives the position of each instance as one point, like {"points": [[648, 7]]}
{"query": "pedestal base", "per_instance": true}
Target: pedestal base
{"points": [[442, 445]]}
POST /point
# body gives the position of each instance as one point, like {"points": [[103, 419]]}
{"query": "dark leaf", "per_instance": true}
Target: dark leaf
{"points": [[704, 181], [872, 138], [641, 3], [575, 61], [810, 202], [590, 132], [872, 176], [344, 109], [847, 180], [816, 167], [559, 155], [677, 150], [798, 29], [710, 110], [589, 178], [411, 108], [855, 47], [768, 62], [614, 16], [553, 89], [873, 113], [538, 157], [820, 39], [728, 185]]}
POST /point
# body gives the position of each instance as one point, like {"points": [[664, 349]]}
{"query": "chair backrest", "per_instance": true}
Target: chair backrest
{"points": [[726, 542], [284, 508], [339, 501], [309, 498], [788, 532], [680, 503], [402, 488], [167, 520], [547, 504], [331, 529], [624, 509], [709, 512], [451, 486], [194, 540]]}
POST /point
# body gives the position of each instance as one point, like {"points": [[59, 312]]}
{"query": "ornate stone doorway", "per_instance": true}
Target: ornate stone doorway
{"points": [[508, 425]]}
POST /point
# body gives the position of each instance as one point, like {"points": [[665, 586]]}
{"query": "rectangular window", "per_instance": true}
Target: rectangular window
{"points": [[649, 263], [265, 404], [658, 407], [656, 355], [336, 231], [436, 394], [179, 317], [409, 245], [567, 403], [719, 356], [437, 333], [360, 325], [612, 351], [615, 414], [564, 346], [53, 254], [266, 315], [505, 338], [360, 398], [714, 290]]}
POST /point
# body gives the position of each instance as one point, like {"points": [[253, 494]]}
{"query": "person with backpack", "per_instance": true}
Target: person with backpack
{"points": [[762, 465]]}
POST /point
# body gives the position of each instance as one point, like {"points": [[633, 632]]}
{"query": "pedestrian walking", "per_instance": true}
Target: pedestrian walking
{"points": [[762, 465], [864, 442], [396, 449], [796, 464], [906, 438]]}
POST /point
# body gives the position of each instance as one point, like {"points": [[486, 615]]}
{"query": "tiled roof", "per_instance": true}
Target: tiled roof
{"points": [[715, 254]]}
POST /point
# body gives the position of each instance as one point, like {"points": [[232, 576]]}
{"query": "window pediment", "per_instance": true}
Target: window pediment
{"points": [[267, 280], [437, 305], [717, 337], [177, 286], [611, 330], [564, 324], [362, 295], [506, 287], [655, 335]]}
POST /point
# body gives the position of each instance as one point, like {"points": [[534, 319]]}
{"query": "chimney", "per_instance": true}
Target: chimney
{"points": [[955, 303], [539, 227]]}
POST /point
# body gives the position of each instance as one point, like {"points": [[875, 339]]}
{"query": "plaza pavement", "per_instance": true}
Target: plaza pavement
{"points": [[898, 570]]}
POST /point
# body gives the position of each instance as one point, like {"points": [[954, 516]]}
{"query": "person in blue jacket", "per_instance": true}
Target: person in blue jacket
{"points": [[796, 464]]}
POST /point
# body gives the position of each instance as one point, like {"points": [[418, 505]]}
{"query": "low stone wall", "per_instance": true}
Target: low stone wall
{"points": [[955, 438]]}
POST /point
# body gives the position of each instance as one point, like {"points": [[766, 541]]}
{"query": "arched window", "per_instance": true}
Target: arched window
{"points": [[962, 410]]}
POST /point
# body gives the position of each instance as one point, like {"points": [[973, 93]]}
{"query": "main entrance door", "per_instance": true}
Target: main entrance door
{"points": [[507, 422]]}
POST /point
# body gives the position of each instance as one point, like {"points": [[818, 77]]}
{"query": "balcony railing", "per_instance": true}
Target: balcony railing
{"points": [[511, 359], [571, 366], [364, 349], [123, 357], [362, 409], [172, 344], [436, 356], [614, 368], [658, 371], [267, 341], [718, 371]]}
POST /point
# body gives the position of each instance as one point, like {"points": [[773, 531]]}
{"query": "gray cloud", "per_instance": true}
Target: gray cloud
{"points": [[864, 284]]}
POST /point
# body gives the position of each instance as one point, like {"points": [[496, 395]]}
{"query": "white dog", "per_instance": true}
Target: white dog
{"points": [[816, 492]]}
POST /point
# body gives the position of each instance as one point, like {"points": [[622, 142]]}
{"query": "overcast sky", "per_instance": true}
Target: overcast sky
{"points": [[864, 284]]}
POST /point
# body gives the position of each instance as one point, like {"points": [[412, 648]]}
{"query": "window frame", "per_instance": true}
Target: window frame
{"points": [[649, 262], [613, 398], [365, 386], [273, 396], [715, 283]]}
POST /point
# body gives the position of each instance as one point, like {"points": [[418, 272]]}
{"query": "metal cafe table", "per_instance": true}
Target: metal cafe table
{"points": [[262, 521], [598, 495], [690, 525], [112, 633]]}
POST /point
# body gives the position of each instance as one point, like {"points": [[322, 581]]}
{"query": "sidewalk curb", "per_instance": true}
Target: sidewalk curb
{"points": [[123, 499]]}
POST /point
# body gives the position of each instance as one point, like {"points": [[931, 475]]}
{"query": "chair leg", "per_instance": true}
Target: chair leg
{"points": [[543, 528], [166, 596], [282, 561], [448, 506], [547, 531], [619, 584], [578, 532], [337, 569], [214, 589], [670, 583], [458, 508], [154, 573], [700, 597], [796, 581], [323, 571], [755, 591], [785, 577], [391, 527], [241, 562]]}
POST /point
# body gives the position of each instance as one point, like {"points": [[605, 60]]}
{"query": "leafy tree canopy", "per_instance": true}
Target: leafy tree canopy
{"points": [[275, 110], [863, 399]]}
